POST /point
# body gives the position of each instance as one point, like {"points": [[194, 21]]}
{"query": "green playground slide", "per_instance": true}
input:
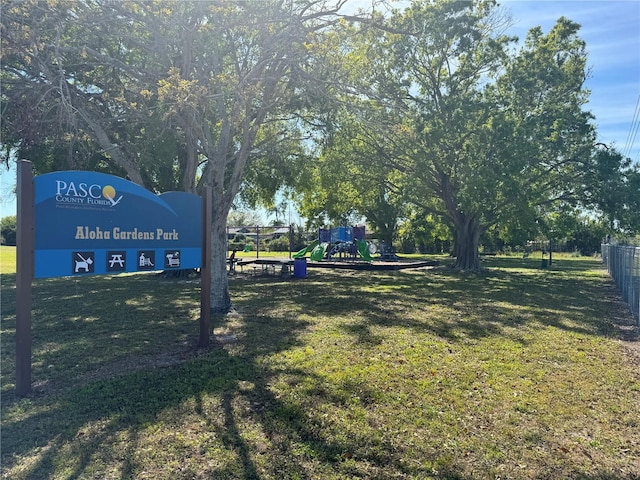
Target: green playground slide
{"points": [[305, 250], [363, 250], [318, 252]]}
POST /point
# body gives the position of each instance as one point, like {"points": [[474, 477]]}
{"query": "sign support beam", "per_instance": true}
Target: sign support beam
{"points": [[24, 275], [205, 271]]}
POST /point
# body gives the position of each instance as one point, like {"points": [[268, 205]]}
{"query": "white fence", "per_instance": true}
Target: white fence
{"points": [[623, 264]]}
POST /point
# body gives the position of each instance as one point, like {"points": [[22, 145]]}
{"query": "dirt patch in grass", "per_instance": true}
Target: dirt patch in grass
{"points": [[624, 324]]}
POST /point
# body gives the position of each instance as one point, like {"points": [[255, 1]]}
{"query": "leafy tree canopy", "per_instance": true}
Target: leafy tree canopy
{"points": [[172, 92], [488, 133]]}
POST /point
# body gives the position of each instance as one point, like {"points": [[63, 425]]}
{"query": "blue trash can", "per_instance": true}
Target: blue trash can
{"points": [[300, 268]]}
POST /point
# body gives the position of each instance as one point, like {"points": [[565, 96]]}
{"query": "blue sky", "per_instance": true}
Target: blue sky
{"points": [[611, 29]]}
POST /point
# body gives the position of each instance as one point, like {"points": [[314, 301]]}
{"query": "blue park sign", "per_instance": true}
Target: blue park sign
{"points": [[94, 223]]}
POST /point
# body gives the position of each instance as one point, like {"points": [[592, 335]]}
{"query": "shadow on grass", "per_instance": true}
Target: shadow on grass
{"points": [[74, 428], [458, 307], [64, 425], [111, 324], [80, 326]]}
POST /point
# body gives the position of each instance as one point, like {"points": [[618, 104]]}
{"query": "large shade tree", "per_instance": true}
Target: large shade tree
{"points": [[210, 79], [354, 178], [613, 191], [495, 132], [358, 174]]}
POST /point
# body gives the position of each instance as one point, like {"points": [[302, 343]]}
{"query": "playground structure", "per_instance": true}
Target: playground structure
{"points": [[342, 244], [346, 248], [338, 248]]}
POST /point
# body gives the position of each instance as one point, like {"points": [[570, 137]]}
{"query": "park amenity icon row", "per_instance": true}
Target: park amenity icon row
{"points": [[116, 261]]}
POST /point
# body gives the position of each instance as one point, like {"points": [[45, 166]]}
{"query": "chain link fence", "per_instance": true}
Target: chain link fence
{"points": [[623, 264]]}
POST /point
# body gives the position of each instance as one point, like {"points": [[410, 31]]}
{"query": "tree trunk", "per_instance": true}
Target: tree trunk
{"points": [[220, 297], [190, 167], [467, 242], [111, 149], [386, 234]]}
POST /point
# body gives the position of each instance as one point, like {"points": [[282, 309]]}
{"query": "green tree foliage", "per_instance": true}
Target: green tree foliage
{"points": [[493, 133], [587, 236], [354, 177], [66, 65], [613, 190], [8, 230], [358, 173], [631, 203], [424, 233], [188, 93]]}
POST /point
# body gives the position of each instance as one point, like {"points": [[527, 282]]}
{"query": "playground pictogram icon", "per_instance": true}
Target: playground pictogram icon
{"points": [[146, 260]]}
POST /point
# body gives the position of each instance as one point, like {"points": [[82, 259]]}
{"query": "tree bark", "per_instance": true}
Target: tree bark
{"points": [[114, 151], [220, 297], [467, 242]]}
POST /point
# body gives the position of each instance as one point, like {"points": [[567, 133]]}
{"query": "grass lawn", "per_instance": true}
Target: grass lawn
{"points": [[7, 259], [516, 372]]}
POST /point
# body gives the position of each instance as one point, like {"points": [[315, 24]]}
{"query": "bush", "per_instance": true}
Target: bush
{"points": [[8, 230], [587, 238], [407, 245], [236, 246], [280, 244]]}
